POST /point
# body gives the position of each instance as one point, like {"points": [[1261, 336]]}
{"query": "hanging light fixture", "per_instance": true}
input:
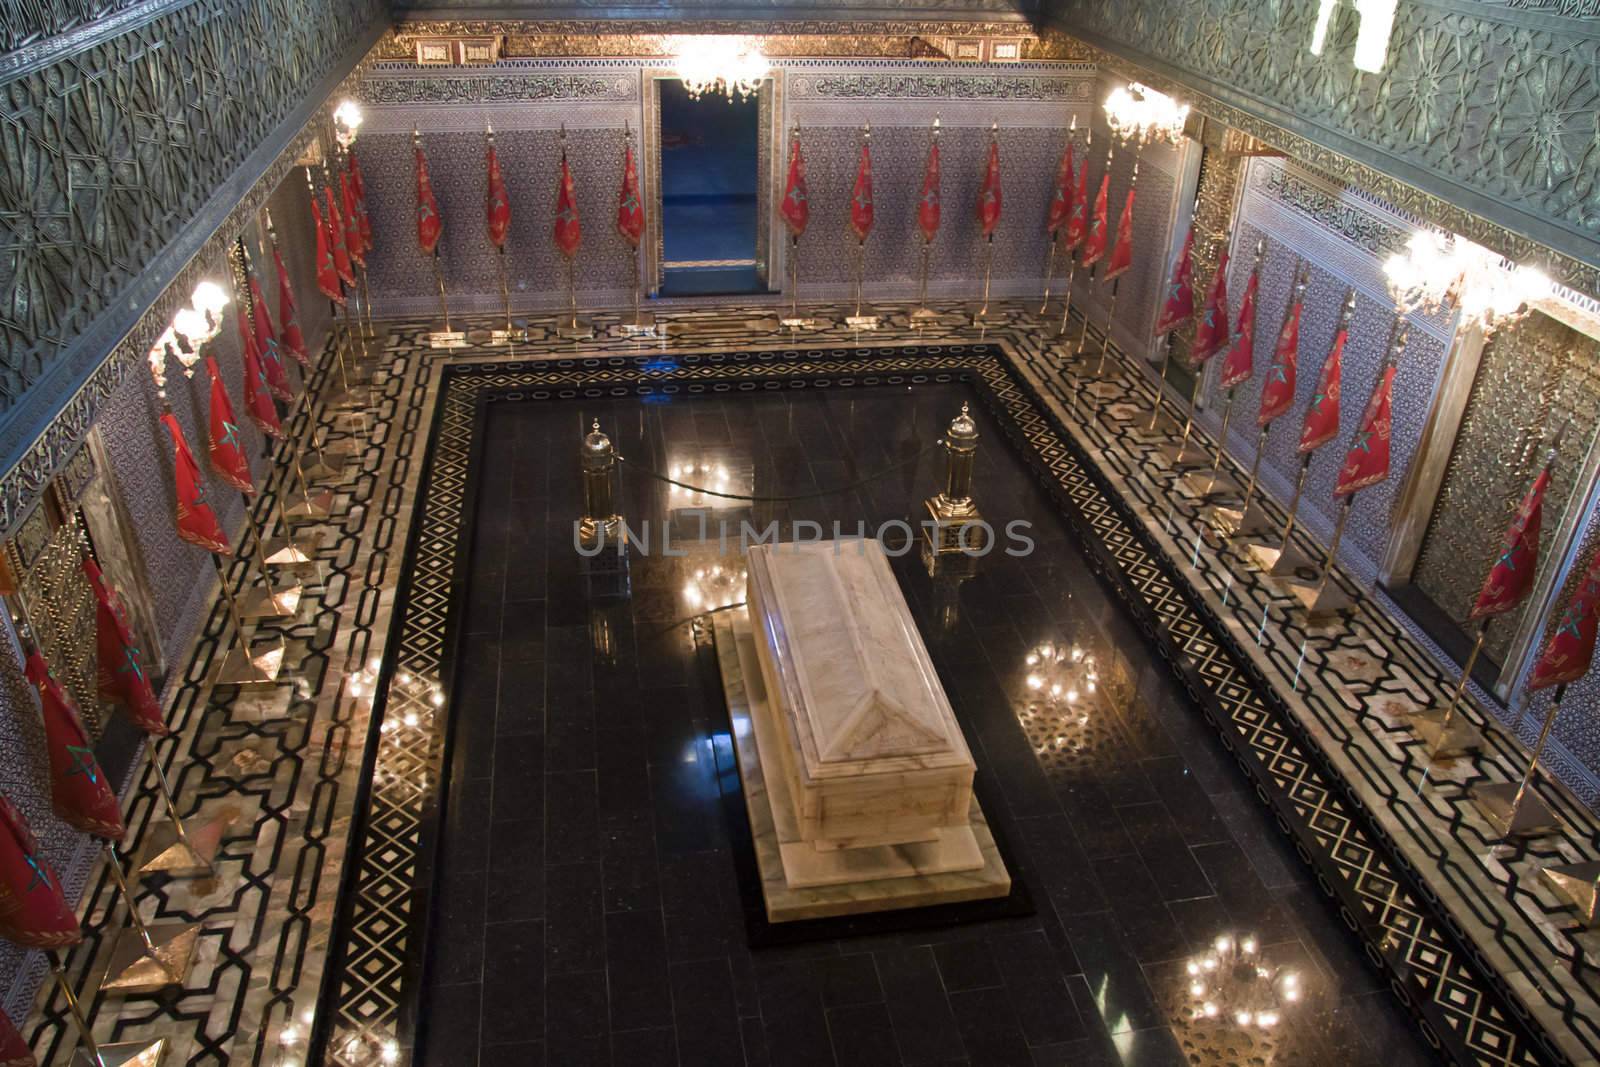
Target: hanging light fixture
{"points": [[1140, 114], [1439, 271], [733, 66], [346, 122]]}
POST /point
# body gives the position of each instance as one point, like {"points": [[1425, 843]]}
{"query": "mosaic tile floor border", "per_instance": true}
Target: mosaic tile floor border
{"points": [[1463, 1011]]}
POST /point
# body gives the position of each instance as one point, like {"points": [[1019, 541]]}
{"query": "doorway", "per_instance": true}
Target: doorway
{"points": [[710, 193]]}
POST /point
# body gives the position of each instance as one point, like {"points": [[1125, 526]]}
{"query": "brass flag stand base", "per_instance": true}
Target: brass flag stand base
{"points": [[1213, 483], [259, 666], [794, 320], [189, 850], [572, 328], [146, 962], [865, 318], [135, 970], [1249, 519], [1285, 561], [1579, 885], [1324, 599], [1442, 731], [1515, 810], [444, 335], [511, 333], [983, 315], [124, 1054]]}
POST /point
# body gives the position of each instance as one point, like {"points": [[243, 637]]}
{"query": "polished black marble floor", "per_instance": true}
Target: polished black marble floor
{"points": [[588, 904]]}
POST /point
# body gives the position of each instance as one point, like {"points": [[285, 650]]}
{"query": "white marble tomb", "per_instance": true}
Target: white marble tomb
{"points": [[857, 778]]}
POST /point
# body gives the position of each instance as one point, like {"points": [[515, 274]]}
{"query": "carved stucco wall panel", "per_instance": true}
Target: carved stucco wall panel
{"points": [[1484, 108]]}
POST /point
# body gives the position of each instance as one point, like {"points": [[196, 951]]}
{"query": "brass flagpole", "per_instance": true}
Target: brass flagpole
{"points": [[1212, 482], [1050, 259], [923, 313]]}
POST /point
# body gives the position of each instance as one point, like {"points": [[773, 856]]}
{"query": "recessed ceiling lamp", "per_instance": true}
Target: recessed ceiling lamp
{"points": [[733, 66]]}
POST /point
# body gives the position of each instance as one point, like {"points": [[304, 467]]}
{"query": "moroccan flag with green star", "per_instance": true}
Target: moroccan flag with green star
{"points": [[258, 391], [861, 211], [1570, 650], [266, 346], [352, 220], [289, 334], [1078, 221], [1278, 391], [1211, 332], [196, 522], [1367, 462], [14, 1052], [630, 208], [336, 238], [498, 208], [122, 679], [1094, 245], [79, 791], [796, 206], [1061, 202], [1179, 307], [430, 227], [989, 198], [1241, 360], [226, 445], [327, 274], [1322, 416], [360, 185], [568, 230], [1512, 574], [928, 202], [33, 908], [1122, 249]]}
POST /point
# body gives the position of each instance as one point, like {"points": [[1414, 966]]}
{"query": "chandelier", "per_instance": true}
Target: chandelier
{"points": [[1229, 982], [1138, 113], [346, 122], [1439, 271], [733, 66], [1060, 674]]}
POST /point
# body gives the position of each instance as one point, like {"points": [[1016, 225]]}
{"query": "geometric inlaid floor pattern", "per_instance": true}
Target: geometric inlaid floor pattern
{"points": [[1472, 943]]}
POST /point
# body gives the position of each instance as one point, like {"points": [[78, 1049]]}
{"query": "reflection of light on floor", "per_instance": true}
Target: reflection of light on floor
{"points": [[714, 477], [714, 587], [1061, 679], [1232, 1002]]}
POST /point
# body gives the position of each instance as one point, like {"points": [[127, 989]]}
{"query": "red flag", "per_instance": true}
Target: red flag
{"points": [[226, 447], [1062, 206], [1094, 246], [1367, 462], [796, 206], [288, 319], [14, 1052], [429, 225], [196, 522], [1512, 574], [1211, 333], [1241, 362], [861, 196], [258, 394], [79, 792], [1321, 423], [122, 679], [336, 232], [266, 345], [361, 201], [630, 209], [1571, 647], [928, 199], [1122, 251], [352, 222], [1179, 307], [327, 275], [989, 194], [1278, 392], [1078, 221], [33, 907], [499, 206], [569, 231]]}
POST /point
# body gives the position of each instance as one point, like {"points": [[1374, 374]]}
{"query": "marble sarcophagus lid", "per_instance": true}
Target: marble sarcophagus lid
{"points": [[857, 755]]}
